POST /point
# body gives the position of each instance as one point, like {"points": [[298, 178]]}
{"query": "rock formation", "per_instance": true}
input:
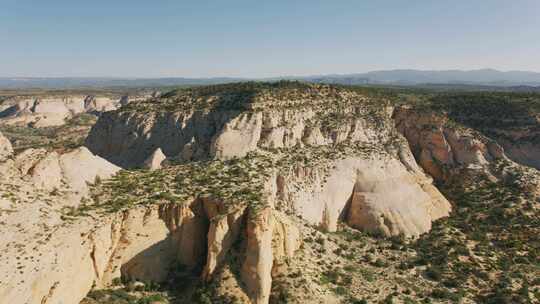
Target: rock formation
{"points": [[255, 172], [5, 147], [37, 189], [320, 195], [440, 147], [325, 164], [54, 110], [154, 161]]}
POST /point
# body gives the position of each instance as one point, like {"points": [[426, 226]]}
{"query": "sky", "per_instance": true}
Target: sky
{"points": [[241, 38]]}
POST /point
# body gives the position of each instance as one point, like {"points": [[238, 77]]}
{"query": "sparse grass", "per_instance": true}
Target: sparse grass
{"points": [[61, 138], [497, 221]]}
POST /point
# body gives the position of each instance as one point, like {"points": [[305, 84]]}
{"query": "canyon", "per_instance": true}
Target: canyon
{"points": [[250, 189]]}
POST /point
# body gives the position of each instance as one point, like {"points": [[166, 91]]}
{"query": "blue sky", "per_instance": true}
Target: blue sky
{"points": [[135, 38]]}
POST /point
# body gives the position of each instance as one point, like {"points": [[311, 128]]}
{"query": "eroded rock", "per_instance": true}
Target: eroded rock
{"points": [[155, 160], [6, 149], [257, 267]]}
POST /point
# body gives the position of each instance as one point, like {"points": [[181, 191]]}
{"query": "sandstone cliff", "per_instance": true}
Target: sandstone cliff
{"points": [[311, 121], [53, 109], [42, 250], [323, 154], [263, 184], [5, 147]]}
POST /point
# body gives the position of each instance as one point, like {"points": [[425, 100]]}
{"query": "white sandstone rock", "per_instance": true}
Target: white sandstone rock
{"points": [[80, 167], [6, 149], [154, 161], [238, 137]]}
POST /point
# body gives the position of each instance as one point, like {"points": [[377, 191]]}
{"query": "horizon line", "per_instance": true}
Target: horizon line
{"points": [[267, 77]]}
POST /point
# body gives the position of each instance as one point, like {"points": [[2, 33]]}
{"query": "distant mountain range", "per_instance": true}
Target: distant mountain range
{"points": [[483, 77], [416, 77], [98, 82]]}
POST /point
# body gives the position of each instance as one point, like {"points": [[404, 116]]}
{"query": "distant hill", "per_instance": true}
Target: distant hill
{"points": [[483, 77], [93, 82], [415, 77]]}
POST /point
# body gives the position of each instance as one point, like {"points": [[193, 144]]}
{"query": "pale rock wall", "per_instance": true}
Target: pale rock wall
{"points": [[287, 237], [145, 250], [438, 147], [141, 243], [46, 173], [154, 161], [46, 259], [6, 150], [51, 111], [46, 113], [101, 104], [387, 199], [188, 224], [526, 153], [74, 169], [224, 230], [373, 194], [128, 139], [136, 244], [238, 136], [256, 270], [28, 158]]}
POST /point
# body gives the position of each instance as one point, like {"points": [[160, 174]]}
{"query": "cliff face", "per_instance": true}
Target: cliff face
{"points": [[42, 251], [54, 110], [322, 154], [373, 169], [209, 126], [5, 147], [443, 147], [64, 243], [440, 147], [65, 246], [481, 122]]}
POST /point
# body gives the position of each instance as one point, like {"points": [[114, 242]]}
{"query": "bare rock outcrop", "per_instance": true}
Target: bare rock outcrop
{"points": [[6, 149], [47, 173], [155, 160], [46, 258], [127, 138], [238, 137], [401, 197], [74, 169], [439, 147], [133, 244], [257, 266], [223, 231], [139, 243], [54, 110], [372, 194], [287, 237], [40, 112]]}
